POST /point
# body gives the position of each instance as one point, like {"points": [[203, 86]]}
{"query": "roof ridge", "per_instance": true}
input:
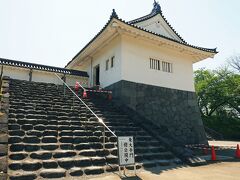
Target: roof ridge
{"points": [[140, 19]]}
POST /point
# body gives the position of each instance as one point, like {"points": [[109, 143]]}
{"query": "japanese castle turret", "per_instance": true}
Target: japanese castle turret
{"points": [[51, 130], [148, 67], [146, 64]]}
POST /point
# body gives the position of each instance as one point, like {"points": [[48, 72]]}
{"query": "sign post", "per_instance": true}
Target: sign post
{"points": [[126, 152]]}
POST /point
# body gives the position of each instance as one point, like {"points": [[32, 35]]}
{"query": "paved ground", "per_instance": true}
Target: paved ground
{"points": [[217, 171], [225, 150]]}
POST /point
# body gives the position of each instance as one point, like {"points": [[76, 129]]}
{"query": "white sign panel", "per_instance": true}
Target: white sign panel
{"points": [[126, 151]]}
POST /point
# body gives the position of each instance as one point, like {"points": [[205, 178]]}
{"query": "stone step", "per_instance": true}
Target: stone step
{"points": [[116, 120], [130, 133], [151, 149], [116, 116], [64, 163], [114, 123], [94, 170], [125, 128], [48, 163], [22, 175], [16, 128], [53, 173], [158, 162], [19, 147], [50, 136]]}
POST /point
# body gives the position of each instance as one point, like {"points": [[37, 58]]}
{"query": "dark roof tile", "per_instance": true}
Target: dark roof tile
{"points": [[41, 67]]}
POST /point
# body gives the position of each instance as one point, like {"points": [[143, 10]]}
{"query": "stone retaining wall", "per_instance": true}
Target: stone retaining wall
{"points": [[4, 106], [171, 109]]}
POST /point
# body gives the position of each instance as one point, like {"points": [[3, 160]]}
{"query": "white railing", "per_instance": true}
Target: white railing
{"points": [[99, 119], [81, 86]]}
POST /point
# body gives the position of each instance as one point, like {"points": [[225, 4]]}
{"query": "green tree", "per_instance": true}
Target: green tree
{"points": [[218, 92]]}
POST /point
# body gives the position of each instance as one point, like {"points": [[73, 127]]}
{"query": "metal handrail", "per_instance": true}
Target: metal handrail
{"points": [[81, 86], [99, 119]]}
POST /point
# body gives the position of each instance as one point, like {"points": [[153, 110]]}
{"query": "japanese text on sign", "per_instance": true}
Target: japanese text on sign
{"points": [[126, 151]]}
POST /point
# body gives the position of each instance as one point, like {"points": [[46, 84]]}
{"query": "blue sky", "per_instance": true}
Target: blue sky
{"points": [[51, 32]]}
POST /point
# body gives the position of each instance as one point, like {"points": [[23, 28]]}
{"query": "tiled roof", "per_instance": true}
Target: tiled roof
{"points": [[132, 24], [214, 50], [156, 10], [113, 15], [41, 67]]}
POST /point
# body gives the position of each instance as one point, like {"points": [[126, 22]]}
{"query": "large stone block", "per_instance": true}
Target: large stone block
{"points": [[5, 100], [6, 95], [3, 138], [3, 164], [53, 173], [175, 110], [4, 128], [3, 149], [6, 78], [3, 176], [5, 85], [3, 118]]}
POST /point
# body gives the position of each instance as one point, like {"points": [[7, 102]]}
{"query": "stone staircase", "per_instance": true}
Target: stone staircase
{"points": [[213, 135], [52, 136]]}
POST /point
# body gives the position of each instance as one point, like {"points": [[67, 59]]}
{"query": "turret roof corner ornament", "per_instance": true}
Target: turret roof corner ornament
{"points": [[114, 14], [156, 7]]}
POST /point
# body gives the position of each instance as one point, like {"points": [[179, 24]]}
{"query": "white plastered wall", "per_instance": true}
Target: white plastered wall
{"points": [[135, 60], [16, 73], [47, 77], [71, 80], [158, 25], [113, 74], [41, 76]]}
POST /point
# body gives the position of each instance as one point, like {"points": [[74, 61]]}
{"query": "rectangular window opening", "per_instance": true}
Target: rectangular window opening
{"points": [[107, 64], [112, 61], [166, 67], [154, 64], [160, 65]]}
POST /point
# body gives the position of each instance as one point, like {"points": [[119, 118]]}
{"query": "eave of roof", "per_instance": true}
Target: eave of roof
{"points": [[115, 16], [214, 50], [41, 67]]}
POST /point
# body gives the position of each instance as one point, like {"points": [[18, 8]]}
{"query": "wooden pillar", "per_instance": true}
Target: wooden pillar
{"points": [[30, 75], [1, 76], [64, 78]]}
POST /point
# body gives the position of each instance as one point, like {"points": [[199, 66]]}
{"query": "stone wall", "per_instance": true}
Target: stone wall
{"points": [[4, 106], [170, 109]]}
